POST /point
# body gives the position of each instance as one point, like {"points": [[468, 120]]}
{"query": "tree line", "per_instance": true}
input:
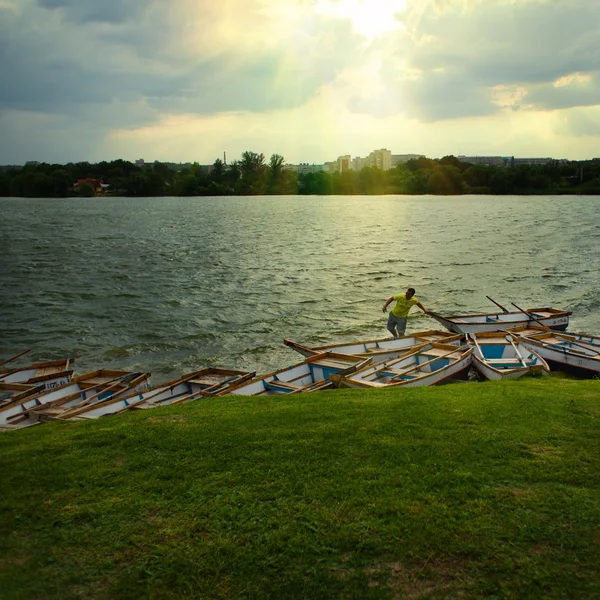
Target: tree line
{"points": [[254, 175]]}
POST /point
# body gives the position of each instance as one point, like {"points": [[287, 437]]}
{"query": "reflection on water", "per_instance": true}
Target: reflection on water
{"points": [[173, 284]]}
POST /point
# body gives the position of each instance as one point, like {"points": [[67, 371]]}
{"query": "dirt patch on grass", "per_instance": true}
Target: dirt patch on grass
{"points": [[544, 452], [171, 419], [516, 492], [10, 561], [445, 577]]}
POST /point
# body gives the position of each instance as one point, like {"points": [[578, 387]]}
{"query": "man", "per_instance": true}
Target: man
{"points": [[398, 314]]}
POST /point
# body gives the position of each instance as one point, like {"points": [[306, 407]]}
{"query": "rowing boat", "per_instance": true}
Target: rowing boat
{"points": [[552, 318], [312, 374], [379, 349], [10, 392], [498, 356], [577, 354], [83, 390], [429, 364], [49, 374], [205, 383]]}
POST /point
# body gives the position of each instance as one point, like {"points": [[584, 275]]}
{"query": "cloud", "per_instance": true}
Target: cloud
{"points": [[89, 11], [576, 89], [173, 57], [582, 123], [453, 55], [92, 68]]}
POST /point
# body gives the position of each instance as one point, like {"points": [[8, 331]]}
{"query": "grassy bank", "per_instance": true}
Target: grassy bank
{"points": [[463, 491]]}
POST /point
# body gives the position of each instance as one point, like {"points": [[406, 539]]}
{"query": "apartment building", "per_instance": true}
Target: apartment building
{"points": [[495, 161], [382, 159], [398, 159]]}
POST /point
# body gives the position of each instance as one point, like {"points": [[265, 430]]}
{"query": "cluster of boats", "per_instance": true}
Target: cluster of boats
{"points": [[504, 345]]}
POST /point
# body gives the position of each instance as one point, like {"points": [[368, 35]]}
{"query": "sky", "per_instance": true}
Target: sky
{"points": [[187, 80]]}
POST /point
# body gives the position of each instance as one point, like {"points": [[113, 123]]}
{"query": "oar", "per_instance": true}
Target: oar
{"points": [[498, 305], [15, 357], [517, 351], [85, 404], [531, 317], [60, 401], [405, 371], [474, 338]]}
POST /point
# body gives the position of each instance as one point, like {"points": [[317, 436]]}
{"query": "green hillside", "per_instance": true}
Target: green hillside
{"points": [[463, 491]]}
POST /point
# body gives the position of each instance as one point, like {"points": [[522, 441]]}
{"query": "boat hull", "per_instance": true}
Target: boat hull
{"points": [[430, 364], [468, 324], [499, 356]]}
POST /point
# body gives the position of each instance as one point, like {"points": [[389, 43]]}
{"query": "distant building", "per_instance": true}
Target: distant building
{"points": [[398, 159], [495, 161], [331, 166], [358, 163], [382, 159], [532, 161], [344, 163], [98, 185], [139, 162], [304, 168]]}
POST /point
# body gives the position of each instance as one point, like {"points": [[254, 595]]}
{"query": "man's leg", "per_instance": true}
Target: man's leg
{"points": [[391, 325], [401, 326]]}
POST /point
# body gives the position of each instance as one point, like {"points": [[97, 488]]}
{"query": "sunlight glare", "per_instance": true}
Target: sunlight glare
{"points": [[370, 18]]}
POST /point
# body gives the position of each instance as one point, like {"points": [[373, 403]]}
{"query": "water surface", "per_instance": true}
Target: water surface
{"points": [[171, 285]]}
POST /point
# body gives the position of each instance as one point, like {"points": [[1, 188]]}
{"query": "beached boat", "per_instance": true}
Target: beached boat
{"points": [[206, 383], [49, 374], [312, 374], [429, 364], [380, 349], [83, 390], [577, 354], [9, 392], [552, 318], [498, 355]]}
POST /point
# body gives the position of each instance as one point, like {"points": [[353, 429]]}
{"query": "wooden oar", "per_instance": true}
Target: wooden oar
{"points": [[517, 351], [59, 401], [474, 338], [405, 371], [85, 404], [15, 357], [531, 317], [591, 347], [498, 305]]}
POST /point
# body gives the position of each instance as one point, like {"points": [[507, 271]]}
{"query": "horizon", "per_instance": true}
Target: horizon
{"points": [[300, 78]]}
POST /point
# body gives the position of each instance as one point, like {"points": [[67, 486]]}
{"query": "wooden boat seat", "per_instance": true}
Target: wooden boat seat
{"points": [[332, 363], [287, 386], [508, 361]]}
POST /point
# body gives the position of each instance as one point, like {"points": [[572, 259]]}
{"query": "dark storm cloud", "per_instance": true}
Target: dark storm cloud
{"points": [[578, 91], [100, 11], [60, 69], [459, 56]]}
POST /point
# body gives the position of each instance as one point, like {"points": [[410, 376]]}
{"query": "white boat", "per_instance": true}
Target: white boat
{"points": [[10, 392], [208, 382], [83, 390], [429, 364], [498, 356], [552, 318], [577, 354], [48, 374], [380, 349], [312, 374]]}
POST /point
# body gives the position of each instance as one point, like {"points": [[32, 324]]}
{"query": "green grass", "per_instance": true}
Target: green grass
{"points": [[463, 491]]}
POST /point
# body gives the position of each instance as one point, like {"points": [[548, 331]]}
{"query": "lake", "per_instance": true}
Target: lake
{"points": [[170, 285]]}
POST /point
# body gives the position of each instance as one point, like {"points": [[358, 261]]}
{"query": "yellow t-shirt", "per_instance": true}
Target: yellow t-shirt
{"points": [[403, 305]]}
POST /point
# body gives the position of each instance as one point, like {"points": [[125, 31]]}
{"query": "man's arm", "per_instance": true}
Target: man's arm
{"points": [[389, 301], [422, 308]]}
